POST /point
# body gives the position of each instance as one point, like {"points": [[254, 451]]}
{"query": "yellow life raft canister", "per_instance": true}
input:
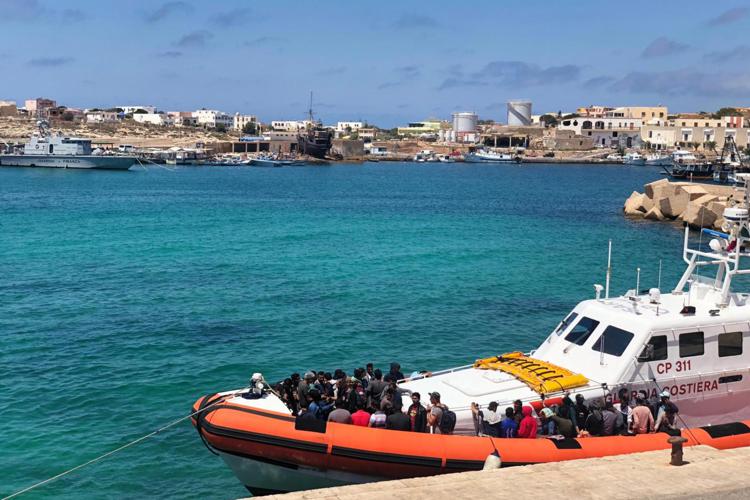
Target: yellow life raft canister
{"points": [[541, 376]]}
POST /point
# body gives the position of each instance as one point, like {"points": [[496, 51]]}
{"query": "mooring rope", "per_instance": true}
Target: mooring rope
{"points": [[118, 449]]}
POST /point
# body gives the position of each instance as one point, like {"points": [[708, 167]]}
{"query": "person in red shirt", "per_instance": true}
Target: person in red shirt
{"points": [[361, 417], [527, 427]]}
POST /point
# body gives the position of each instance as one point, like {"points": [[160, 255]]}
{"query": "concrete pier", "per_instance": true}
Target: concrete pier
{"points": [[707, 473]]}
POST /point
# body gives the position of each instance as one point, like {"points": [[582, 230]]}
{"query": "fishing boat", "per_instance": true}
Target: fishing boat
{"points": [[657, 160], [688, 343], [446, 159], [634, 159], [485, 156], [47, 149], [730, 163], [315, 140]]}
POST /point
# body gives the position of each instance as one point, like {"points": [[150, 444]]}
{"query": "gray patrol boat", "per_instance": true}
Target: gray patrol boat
{"points": [[46, 149]]}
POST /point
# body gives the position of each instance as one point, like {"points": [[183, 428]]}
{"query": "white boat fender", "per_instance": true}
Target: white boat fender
{"points": [[493, 461]]}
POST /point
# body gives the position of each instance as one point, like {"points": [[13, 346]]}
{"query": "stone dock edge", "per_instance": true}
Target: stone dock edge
{"points": [[708, 473]]}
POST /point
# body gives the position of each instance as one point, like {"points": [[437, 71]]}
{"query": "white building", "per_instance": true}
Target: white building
{"points": [[352, 126], [101, 116], [607, 131], [183, 118], [290, 125], [241, 120], [211, 118], [153, 118], [132, 109]]}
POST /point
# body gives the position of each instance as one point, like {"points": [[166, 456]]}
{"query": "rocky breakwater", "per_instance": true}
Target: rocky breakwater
{"points": [[699, 205]]}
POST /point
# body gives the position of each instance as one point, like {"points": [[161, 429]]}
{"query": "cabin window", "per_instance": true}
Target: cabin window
{"points": [[655, 350], [565, 323], [730, 344], [51, 148], [613, 341], [691, 344], [582, 331]]}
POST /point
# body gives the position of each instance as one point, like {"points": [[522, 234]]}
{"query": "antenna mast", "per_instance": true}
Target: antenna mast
{"points": [[609, 270], [310, 111]]}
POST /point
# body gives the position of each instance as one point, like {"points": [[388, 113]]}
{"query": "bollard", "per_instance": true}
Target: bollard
{"points": [[676, 442]]}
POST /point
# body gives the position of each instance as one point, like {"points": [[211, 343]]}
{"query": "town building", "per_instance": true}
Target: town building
{"points": [[367, 134], [40, 106], [8, 108], [593, 111], [427, 127], [183, 118], [688, 130], [132, 109], [101, 116], [240, 121], [647, 114], [348, 127], [606, 132], [211, 118], [160, 119], [290, 125]]}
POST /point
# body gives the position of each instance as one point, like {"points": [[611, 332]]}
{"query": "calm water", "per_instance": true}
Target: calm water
{"points": [[124, 296]]}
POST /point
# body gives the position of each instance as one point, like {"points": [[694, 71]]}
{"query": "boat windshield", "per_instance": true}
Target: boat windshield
{"points": [[565, 323], [613, 341], [582, 331]]}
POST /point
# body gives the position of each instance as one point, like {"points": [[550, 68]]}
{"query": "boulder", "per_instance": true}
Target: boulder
{"points": [[694, 191], [633, 204], [654, 214], [717, 208], [646, 204], [705, 199], [697, 215], [649, 188], [672, 206]]}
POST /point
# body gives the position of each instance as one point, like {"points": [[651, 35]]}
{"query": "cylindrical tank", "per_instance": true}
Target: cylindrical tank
{"points": [[465, 122], [519, 113]]}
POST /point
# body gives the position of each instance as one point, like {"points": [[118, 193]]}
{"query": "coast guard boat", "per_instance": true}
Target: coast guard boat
{"points": [[46, 149], [689, 342]]}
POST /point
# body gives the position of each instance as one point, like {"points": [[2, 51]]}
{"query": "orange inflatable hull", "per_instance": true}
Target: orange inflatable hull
{"points": [[272, 437]]}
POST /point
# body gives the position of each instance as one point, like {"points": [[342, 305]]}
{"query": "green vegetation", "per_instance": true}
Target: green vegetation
{"points": [[726, 112], [548, 120], [250, 128]]}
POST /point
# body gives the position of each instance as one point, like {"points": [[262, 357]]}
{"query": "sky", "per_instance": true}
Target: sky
{"points": [[383, 62]]}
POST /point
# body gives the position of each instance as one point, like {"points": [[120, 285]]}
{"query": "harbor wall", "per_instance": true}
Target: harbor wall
{"points": [[707, 473], [698, 205]]}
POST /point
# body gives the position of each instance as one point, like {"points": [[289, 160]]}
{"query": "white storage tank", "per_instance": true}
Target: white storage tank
{"points": [[465, 122], [519, 113]]}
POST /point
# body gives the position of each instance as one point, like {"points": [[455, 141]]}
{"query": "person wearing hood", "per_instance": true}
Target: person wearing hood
{"points": [[527, 427], [562, 426]]}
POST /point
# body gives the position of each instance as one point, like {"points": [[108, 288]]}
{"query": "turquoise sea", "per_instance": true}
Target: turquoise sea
{"points": [[125, 296]]}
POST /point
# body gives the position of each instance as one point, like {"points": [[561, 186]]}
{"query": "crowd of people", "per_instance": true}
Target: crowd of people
{"points": [[370, 398], [581, 418]]}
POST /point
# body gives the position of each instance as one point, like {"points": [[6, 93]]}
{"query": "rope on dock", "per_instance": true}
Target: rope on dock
{"points": [[116, 450]]}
